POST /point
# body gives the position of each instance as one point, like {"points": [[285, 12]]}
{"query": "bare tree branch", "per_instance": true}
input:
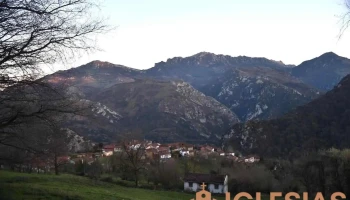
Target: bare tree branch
{"points": [[40, 32], [345, 19], [34, 33]]}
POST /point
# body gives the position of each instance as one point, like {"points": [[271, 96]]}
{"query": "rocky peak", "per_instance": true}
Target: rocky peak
{"points": [[329, 55], [219, 61], [99, 63], [323, 60], [323, 72], [105, 65], [205, 55]]}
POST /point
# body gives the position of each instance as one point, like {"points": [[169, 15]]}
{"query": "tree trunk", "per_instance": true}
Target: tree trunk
{"points": [[30, 169], [56, 165], [136, 179]]}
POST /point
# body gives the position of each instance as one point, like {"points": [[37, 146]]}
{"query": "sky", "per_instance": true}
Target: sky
{"points": [[150, 31]]}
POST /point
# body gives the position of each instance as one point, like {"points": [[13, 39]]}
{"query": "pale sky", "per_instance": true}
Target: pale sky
{"points": [[150, 31]]}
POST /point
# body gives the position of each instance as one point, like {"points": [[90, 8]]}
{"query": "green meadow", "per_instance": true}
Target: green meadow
{"points": [[15, 186]]}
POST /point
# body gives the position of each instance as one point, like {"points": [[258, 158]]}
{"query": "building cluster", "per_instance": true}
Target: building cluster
{"points": [[153, 150], [149, 150]]}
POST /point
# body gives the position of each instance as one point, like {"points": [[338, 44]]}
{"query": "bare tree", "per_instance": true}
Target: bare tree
{"points": [[164, 172], [28, 110], [40, 32], [345, 18], [33, 35], [133, 159], [94, 170], [57, 148]]}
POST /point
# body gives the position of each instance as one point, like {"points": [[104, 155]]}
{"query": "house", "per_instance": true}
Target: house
{"points": [[215, 183], [63, 159], [108, 150], [163, 148], [230, 154], [108, 147], [153, 146], [184, 153], [190, 148], [177, 146], [164, 154], [135, 144], [118, 148], [107, 153], [207, 148], [252, 159]]}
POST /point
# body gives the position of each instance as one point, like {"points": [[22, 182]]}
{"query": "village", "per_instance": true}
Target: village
{"points": [[153, 150], [127, 158], [148, 152]]}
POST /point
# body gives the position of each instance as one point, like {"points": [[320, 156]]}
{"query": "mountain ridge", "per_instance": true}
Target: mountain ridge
{"points": [[251, 88], [320, 124], [324, 71]]}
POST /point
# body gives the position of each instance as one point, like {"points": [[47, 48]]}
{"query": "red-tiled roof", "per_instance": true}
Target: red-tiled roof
{"points": [[62, 159], [163, 149], [109, 146], [206, 178], [163, 152], [177, 144]]}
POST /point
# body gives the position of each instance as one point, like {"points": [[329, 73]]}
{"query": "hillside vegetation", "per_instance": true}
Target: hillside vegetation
{"points": [[15, 185]]}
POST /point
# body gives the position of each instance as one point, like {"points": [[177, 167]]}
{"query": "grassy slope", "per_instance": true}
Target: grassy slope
{"points": [[34, 186]]}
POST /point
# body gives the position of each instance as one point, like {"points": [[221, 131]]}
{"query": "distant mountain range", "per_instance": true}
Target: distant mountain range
{"points": [[321, 124], [196, 98], [126, 101], [323, 72]]}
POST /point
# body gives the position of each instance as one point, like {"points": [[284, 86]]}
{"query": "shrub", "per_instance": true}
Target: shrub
{"points": [[108, 179]]}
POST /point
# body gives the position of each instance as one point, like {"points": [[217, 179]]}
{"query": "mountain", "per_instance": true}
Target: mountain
{"points": [[259, 92], [322, 123], [124, 100], [166, 111], [204, 67], [227, 89], [323, 72], [94, 76], [253, 88]]}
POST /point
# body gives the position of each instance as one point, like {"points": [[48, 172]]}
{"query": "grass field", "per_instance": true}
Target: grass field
{"points": [[16, 186]]}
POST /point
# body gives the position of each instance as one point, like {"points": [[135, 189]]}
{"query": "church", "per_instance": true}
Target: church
{"points": [[216, 184]]}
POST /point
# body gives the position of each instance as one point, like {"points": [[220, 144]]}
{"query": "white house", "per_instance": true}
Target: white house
{"points": [[107, 153], [252, 159], [118, 149], [184, 153], [230, 154], [153, 146], [215, 183], [164, 155], [135, 146]]}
